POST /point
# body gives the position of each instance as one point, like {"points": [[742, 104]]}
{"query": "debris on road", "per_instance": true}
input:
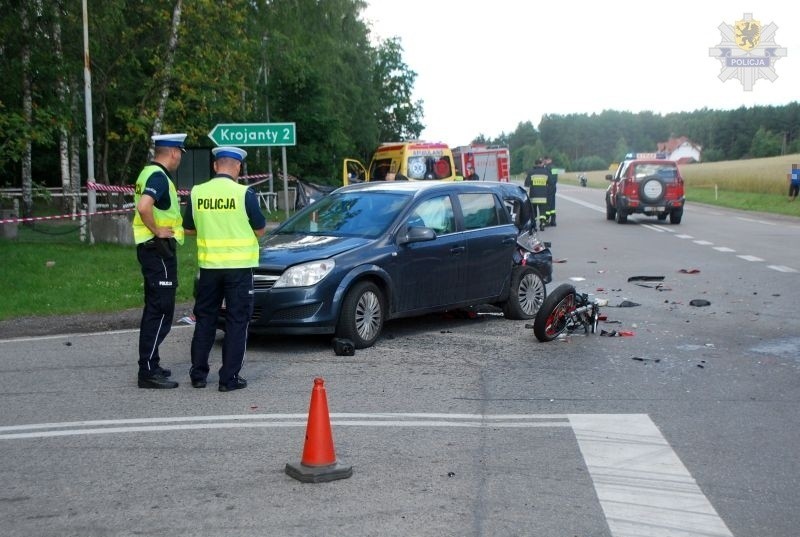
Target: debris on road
{"points": [[646, 279]]}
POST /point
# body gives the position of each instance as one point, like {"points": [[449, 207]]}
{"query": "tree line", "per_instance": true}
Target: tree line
{"points": [[173, 66], [593, 141]]}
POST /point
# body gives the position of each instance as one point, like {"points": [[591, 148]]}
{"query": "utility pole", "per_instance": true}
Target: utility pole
{"points": [[87, 84]]}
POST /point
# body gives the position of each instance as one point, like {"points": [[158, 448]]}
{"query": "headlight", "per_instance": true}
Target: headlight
{"points": [[306, 274]]}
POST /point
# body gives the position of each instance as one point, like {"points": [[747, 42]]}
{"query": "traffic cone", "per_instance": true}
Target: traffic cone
{"points": [[319, 463]]}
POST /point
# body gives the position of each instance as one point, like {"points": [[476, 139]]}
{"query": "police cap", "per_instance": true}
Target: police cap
{"points": [[170, 140], [229, 152]]}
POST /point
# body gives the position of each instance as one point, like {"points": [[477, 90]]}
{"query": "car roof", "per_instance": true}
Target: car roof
{"points": [[429, 186], [653, 161]]}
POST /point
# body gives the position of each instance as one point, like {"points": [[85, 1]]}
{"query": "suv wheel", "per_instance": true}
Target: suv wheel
{"points": [[611, 212], [526, 295], [622, 216], [652, 190], [675, 216], [362, 315]]}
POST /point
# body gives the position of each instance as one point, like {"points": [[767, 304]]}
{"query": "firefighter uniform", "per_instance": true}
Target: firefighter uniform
{"points": [[536, 181], [551, 199], [227, 219], [157, 256]]}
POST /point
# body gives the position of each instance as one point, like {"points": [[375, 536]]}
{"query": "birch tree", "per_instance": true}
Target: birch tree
{"points": [[167, 72]]}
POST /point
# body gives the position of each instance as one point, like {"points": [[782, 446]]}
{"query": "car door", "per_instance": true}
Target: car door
{"points": [[491, 239], [430, 274]]}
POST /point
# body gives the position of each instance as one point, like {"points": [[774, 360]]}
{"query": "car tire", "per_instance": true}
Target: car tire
{"points": [[611, 212], [621, 216], [362, 316], [675, 216], [652, 190], [527, 294]]}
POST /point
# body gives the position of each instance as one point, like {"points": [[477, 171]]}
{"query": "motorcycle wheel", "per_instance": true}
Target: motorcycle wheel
{"points": [[552, 319]]}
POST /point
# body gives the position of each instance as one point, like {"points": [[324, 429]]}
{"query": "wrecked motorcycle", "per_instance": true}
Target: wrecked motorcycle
{"points": [[566, 310]]}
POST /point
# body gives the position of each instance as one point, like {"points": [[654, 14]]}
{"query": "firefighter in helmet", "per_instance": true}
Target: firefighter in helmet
{"points": [[536, 182]]}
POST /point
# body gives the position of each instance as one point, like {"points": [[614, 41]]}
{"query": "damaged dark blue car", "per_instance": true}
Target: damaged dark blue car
{"points": [[372, 252]]}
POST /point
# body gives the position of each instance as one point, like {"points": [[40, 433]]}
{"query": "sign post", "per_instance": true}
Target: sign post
{"points": [[258, 135]]}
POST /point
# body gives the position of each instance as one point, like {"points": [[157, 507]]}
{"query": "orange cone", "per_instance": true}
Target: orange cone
{"points": [[319, 462]]}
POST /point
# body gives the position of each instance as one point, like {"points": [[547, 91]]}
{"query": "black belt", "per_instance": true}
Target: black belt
{"points": [[165, 248]]}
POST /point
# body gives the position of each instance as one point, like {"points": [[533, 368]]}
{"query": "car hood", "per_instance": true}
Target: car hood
{"points": [[282, 250]]}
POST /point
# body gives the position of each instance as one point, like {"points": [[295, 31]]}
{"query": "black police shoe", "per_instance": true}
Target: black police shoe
{"points": [[162, 372], [236, 384], [157, 382], [198, 383]]}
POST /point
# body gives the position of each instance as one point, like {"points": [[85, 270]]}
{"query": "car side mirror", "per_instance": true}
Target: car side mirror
{"points": [[416, 234], [609, 177]]}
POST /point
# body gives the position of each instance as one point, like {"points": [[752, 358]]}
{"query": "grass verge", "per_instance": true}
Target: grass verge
{"points": [[57, 279]]}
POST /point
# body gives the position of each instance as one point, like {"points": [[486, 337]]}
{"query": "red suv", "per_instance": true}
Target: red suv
{"points": [[650, 187]]}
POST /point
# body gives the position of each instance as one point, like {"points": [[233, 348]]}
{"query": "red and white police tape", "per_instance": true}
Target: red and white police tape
{"points": [[100, 187]]}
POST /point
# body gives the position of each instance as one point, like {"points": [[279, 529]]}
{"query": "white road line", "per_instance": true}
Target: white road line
{"points": [[92, 427], [703, 243], [782, 268], [642, 485], [588, 205], [749, 258], [82, 334], [682, 236], [756, 221], [724, 249]]}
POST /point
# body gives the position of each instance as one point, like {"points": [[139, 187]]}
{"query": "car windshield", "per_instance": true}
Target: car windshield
{"points": [[665, 172], [350, 214]]}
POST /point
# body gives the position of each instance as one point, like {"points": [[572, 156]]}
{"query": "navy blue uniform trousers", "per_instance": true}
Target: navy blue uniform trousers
{"points": [[236, 287], [160, 285]]}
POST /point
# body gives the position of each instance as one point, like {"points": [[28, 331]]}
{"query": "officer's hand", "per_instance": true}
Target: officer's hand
{"points": [[164, 232]]}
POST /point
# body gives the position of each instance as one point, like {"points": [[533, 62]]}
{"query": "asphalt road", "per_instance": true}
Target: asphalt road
{"points": [[453, 426]]}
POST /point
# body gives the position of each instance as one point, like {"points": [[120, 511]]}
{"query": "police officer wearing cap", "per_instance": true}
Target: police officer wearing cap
{"points": [[157, 228], [227, 220]]}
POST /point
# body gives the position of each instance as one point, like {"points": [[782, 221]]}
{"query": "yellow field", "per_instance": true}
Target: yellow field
{"points": [[761, 175]]}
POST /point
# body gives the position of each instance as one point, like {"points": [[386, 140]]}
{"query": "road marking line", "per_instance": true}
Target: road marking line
{"points": [[82, 334], [782, 268], [90, 427], [749, 258], [724, 249], [756, 221], [682, 236], [703, 243], [642, 485]]}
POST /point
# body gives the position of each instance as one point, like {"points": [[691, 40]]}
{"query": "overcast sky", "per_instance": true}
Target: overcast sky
{"points": [[485, 66]]}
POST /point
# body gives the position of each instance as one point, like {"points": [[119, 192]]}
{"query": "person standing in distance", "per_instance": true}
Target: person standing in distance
{"points": [[227, 220], [471, 175], [536, 182], [157, 227], [552, 186], [794, 182]]}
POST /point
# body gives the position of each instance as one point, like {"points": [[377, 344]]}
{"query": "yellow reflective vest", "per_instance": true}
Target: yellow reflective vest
{"points": [[224, 236], [168, 218]]}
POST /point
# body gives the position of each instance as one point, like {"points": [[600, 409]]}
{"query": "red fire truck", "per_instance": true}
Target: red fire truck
{"points": [[491, 163]]}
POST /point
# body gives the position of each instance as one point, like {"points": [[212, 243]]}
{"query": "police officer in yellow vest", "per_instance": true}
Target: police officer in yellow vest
{"points": [[156, 230], [228, 221]]}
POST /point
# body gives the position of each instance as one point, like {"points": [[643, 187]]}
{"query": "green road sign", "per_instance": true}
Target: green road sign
{"points": [[253, 134]]}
